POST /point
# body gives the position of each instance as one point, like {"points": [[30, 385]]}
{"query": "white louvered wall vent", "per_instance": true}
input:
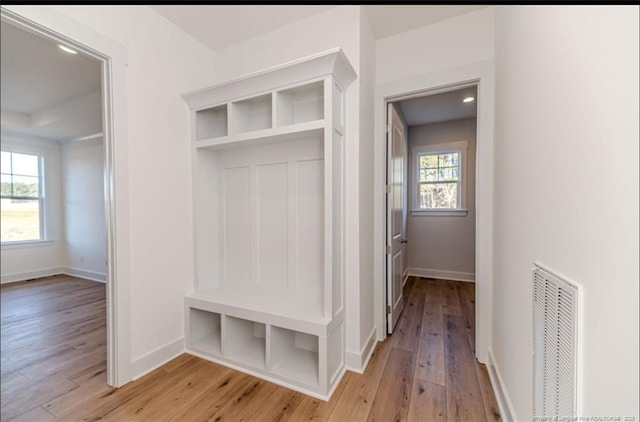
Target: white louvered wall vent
{"points": [[555, 344]]}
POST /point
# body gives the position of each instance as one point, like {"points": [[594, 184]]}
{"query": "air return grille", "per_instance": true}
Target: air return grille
{"points": [[555, 344]]}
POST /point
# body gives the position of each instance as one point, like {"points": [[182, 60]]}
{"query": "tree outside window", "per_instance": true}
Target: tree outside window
{"points": [[438, 180]]}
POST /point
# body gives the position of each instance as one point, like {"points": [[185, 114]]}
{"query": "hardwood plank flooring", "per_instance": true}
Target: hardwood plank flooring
{"points": [[428, 402], [430, 365], [311, 409], [53, 367], [392, 397], [407, 332], [361, 389], [451, 298], [52, 330], [464, 399]]}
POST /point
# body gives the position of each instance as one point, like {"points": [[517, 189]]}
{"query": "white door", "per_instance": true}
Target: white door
{"points": [[395, 212]]}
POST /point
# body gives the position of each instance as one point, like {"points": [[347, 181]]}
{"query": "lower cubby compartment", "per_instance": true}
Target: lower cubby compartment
{"points": [[297, 354], [245, 341], [294, 355], [204, 331]]}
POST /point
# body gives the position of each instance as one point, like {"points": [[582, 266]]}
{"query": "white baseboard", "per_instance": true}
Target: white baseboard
{"points": [[163, 354], [89, 275], [357, 362], [442, 274], [47, 272], [502, 396], [28, 275]]}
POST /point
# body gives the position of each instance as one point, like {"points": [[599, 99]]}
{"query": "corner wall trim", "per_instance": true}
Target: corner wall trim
{"points": [[163, 354], [357, 362], [89, 275], [28, 275], [442, 274], [502, 396], [47, 272]]}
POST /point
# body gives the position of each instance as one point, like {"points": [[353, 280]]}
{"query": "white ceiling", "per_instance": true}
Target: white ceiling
{"points": [[49, 93], [219, 26], [438, 108], [36, 74], [45, 91], [388, 20]]}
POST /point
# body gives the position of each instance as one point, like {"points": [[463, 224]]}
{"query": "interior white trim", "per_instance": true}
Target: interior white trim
{"points": [[18, 142], [48, 272], [163, 354], [357, 362], [482, 74], [46, 22], [89, 275], [442, 274], [502, 396], [368, 349], [27, 244], [28, 275], [439, 213]]}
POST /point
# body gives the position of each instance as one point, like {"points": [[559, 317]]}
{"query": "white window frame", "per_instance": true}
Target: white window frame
{"points": [[417, 151], [43, 240]]}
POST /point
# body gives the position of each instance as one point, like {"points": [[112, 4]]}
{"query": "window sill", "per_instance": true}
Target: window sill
{"points": [[26, 244], [440, 213]]}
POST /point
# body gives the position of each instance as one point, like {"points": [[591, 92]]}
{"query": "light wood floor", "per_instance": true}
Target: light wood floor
{"points": [[53, 367]]}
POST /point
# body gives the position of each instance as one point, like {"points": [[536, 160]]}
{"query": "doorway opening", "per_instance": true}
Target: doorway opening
{"points": [[480, 75], [430, 194], [55, 28]]}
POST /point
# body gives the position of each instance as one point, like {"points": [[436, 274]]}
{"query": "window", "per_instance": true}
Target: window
{"points": [[21, 199], [439, 171]]}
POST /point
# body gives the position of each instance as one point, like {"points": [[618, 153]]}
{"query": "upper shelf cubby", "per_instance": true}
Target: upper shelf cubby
{"points": [[311, 68], [286, 97], [211, 122], [251, 114], [300, 104]]}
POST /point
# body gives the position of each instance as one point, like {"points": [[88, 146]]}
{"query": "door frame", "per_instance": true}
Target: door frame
{"points": [[481, 74], [48, 23]]}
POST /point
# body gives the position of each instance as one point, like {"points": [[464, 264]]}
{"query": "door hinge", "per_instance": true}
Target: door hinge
{"points": [[388, 127], [388, 309], [388, 249], [387, 188]]}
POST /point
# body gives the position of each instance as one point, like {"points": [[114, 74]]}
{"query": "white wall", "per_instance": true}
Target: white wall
{"points": [[366, 185], [444, 53], [74, 212], [439, 245], [336, 27], [164, 62], [566, 183], [84, 220], [21, 262], [453, 42]]}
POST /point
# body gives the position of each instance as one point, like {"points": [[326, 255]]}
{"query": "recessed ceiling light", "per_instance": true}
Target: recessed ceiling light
{"points": [[468, 99], [67, 49]]}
